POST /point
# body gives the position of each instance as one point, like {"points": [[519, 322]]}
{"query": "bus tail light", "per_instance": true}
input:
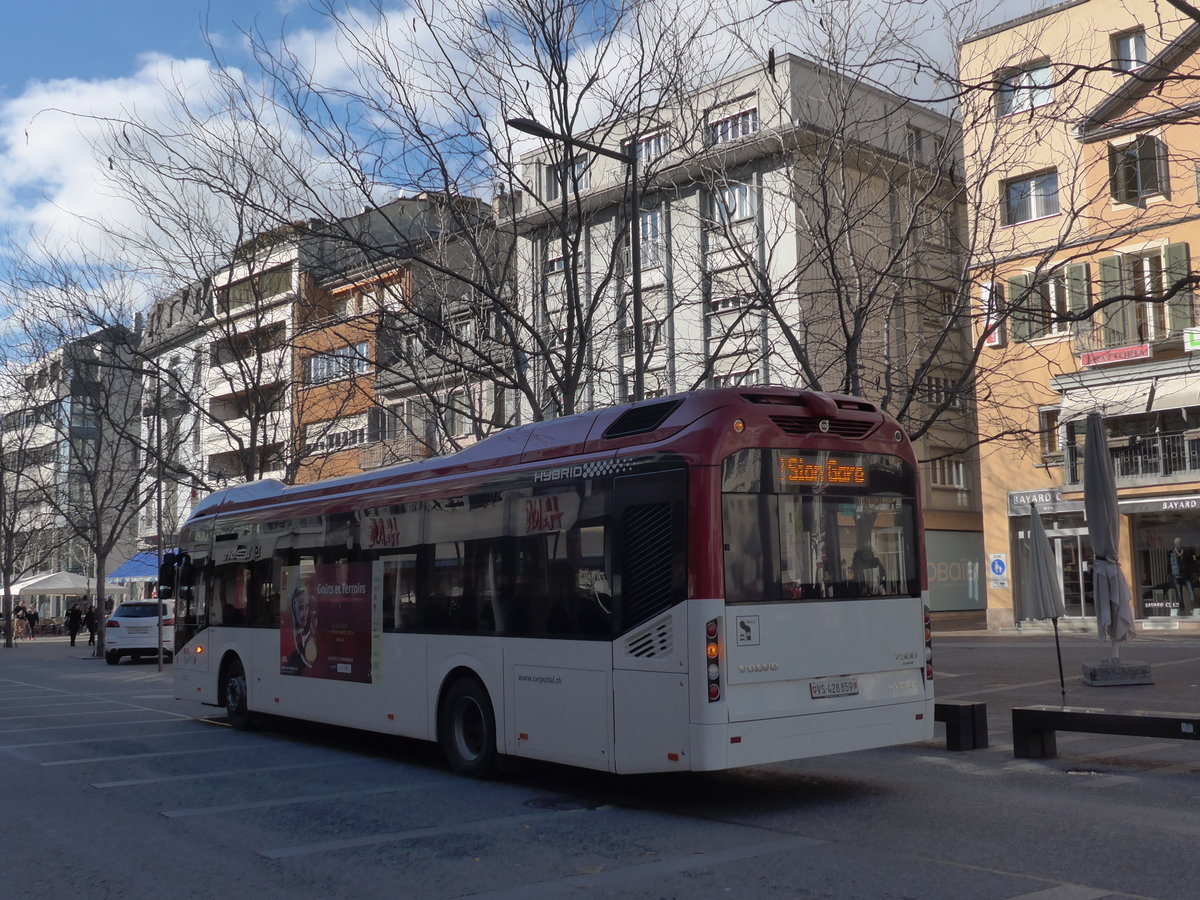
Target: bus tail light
{"points": [[928, 646], [712, 659]]}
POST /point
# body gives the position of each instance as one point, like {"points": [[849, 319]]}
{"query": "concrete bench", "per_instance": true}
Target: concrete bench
{"points": [[966, 723], [1034, 727]]}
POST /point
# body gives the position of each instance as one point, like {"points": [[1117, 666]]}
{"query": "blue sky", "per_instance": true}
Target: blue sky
{"points": [[93, 39], [66, 66]]}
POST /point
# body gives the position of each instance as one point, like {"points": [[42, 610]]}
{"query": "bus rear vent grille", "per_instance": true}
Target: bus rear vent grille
{"points": [[654, 642], [641, 419], [796, 425]]}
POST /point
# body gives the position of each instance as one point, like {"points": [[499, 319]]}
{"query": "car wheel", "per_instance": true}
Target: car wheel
{"points": [[112, 657], [237, 708], [467, 729]]}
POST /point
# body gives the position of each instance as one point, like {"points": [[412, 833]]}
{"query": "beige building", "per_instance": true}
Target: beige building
{"points": [[1080, 150]]}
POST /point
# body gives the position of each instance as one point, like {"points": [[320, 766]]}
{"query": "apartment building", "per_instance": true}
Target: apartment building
{"points": [[1081, 158], [795, 227], [68, 475], [395, 356]]}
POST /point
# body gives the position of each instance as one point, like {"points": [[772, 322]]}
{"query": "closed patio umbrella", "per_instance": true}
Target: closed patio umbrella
{"points": [[1114, 606], [1043, 588]]}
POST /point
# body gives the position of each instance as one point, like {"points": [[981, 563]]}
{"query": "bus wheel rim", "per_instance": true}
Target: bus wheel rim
{"points": [[468, 728]]}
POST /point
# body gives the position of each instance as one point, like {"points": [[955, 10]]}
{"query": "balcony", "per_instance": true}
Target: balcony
{"points": [[391, 452], [268, 367], [1145, 459]]}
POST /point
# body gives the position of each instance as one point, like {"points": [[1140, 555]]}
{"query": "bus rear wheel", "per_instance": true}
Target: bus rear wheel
{"points": [[237, 708], [467, 729]]}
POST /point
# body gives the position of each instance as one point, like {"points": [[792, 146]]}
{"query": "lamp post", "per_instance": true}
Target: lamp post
{"points": [[537, 129]]}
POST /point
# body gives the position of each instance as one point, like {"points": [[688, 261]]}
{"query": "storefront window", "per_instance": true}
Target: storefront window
{"points": [[1165, 567]]}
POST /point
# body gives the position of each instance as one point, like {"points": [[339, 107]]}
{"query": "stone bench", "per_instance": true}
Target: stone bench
{"points": [[1034, 727], [966, 723]]}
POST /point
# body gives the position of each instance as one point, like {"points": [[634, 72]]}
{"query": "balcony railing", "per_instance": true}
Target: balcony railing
{"points": [[1146, 458], [391, 452]]}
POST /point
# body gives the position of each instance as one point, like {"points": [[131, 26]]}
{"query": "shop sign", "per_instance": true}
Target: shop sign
{"points": [[1161, 504], [1046, 499], [1115, 355], [1191, 339]]}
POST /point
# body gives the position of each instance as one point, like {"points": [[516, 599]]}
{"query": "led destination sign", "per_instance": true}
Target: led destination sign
{"points": [[812, 470]]}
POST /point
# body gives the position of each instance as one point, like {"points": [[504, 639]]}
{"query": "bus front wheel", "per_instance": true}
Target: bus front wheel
{"points": [[237, 709], [467, 729]]}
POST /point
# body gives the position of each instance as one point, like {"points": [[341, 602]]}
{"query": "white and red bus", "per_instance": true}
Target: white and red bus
{"points": [[716, 579]]}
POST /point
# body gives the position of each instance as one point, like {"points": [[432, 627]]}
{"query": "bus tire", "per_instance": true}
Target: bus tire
{"points": [[467, 728], [234, 690]]}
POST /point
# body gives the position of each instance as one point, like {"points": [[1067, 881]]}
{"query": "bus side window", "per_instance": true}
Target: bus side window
{"points": [[262, 594]]}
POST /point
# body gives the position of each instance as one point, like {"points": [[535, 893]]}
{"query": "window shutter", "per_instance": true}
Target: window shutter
{"points": [[1161, 169], [1114, 313], [1018, 305], [1077, 288], [1179, 307], [1114, 173]]}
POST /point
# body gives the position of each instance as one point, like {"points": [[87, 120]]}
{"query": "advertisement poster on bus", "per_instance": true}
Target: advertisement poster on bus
{"points": [[328, 623]]}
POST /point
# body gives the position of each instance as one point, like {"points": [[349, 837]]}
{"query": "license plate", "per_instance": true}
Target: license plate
{"points": [[833, 687], [137, 630]]}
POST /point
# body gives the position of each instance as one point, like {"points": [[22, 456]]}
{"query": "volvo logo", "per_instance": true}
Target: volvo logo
{"points": [[759, 667]]}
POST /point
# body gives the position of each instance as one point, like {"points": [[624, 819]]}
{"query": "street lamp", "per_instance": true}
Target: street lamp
{"points": [[537, 129]]}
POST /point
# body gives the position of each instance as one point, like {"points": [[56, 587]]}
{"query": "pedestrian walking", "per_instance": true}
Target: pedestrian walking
{"points": [[32, 616], [91, 623], [19, 623], [74, 622]]}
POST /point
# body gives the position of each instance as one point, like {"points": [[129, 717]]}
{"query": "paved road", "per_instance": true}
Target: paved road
{"points": [[114, 789]]}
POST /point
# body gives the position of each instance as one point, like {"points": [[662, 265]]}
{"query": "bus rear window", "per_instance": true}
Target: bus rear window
{"points": [[823, 528]]}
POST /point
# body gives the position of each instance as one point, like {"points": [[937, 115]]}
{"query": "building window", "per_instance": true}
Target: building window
{"points": [[991, 302], [650, 333], [922, 146], [948, 471], [1030, 197], [1138, 170], [1143, 277], [1129, 50], [732, 202], [568, 177], [559, 254], [733, 127], [1054, 310], [329, 437], [458, 415], [1135, 288], [1048, 429], [650, 147], [1023, 89], [944, 392], [344, 362], [653, 251], [741, 378]]}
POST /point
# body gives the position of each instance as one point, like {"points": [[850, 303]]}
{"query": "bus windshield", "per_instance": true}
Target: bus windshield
{"points": [[818, 526]]}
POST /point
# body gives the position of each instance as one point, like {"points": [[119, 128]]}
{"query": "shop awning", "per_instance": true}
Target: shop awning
{"points": [[1126, 399], [1176, 392], [141, 566]]}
